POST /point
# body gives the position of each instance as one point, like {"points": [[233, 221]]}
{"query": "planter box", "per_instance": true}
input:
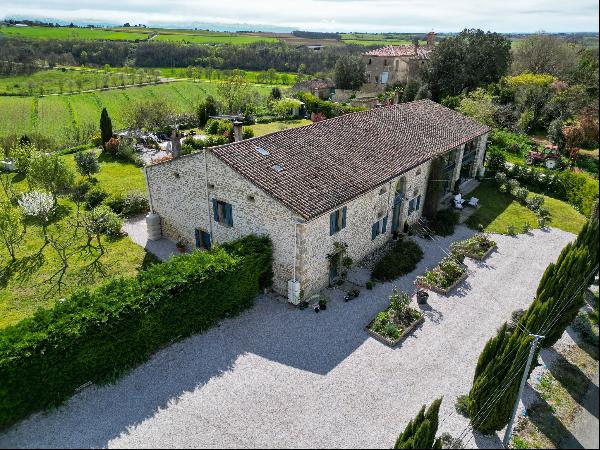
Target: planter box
{"points": [[449, 289], [390, 342], [485, 255]]}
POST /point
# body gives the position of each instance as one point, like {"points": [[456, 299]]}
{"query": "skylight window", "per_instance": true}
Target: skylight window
{"points": [[262, 151], [278, 168]]}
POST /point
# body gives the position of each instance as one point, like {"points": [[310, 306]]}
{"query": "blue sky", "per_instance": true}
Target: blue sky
{"points": [[327, 15]]}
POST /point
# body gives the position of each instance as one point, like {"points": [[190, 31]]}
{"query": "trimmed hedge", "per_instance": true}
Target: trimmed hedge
{"points": [[96, 334]]}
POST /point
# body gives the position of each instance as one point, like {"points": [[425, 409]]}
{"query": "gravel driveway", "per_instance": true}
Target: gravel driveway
{"points": [[280, 377]]}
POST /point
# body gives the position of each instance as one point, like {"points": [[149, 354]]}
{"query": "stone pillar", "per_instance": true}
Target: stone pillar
{"points": [[457, 165], [478, 168]]}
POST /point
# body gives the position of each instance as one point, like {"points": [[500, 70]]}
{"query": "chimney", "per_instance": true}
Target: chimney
{"points": [[430, 39], [237, 131], [175, 144]]}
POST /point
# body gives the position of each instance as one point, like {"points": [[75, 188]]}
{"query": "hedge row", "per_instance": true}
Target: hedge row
{"points": [[95, 334], [577, 189]]}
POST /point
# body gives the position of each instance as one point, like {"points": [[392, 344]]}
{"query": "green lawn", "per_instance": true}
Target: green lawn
{"points": [[498, 211], [266, 128], [21, 298]]}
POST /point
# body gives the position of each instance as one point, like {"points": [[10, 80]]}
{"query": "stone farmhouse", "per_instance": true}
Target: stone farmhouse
{"points": [[396, 63], [356, 180]]}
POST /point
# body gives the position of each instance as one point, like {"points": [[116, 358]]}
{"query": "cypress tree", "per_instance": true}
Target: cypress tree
{"points": [[420, 432], [558, 300], [106, 130], [496, 380]]}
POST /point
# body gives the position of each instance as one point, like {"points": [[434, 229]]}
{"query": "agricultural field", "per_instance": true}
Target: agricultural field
{"points": [[251, 76], [57, 116], [134, 34], [70, 33], [212, 38], [56, 81], [21, 296]]}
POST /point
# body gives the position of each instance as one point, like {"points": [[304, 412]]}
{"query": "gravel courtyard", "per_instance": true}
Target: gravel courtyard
{"points": [[280, 377]]}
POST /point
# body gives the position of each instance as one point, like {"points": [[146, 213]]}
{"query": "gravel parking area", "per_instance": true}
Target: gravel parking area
{"points": [[281, 377]]}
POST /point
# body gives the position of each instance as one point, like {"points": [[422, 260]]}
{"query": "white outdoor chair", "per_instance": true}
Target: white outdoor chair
{"points": [[458, 201], [474, 201]]}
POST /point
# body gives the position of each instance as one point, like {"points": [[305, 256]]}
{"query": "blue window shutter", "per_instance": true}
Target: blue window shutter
{"points": [[229, 214], [332, 223], [374, 230], [344, 209], [384, 225], [215, 210], [206, 241], [411, 206], [197, 235], [418, 203]]}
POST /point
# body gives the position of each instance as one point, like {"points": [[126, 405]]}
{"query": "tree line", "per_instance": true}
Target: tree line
{"points": [[257, 56]]}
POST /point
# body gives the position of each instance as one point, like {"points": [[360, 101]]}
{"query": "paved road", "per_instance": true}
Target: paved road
{"points": [[585, 425], [279, 377]]}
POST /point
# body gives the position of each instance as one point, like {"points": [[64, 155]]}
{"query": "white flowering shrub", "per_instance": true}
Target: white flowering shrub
{"points": [[37, 204]]}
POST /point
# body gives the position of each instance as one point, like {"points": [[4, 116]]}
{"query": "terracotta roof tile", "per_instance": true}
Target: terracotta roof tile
{"points": [[328, 163]]}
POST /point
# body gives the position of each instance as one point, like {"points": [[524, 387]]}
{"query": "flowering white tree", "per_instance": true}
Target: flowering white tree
{"points": [[37, 204]]}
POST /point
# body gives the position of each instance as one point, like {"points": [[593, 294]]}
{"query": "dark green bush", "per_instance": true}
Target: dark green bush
{"points": [[402, 258], [94, 197], [96, 333], [443, 222], [462, 405], [129, 205]]}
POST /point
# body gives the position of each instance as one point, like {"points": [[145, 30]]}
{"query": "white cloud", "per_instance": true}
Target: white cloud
{"points": [[329, 15]]}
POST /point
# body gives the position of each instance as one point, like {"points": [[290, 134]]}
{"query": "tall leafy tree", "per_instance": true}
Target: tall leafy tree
{"points": [[466, 61], [106, 130], [50, 173], [12, 228], [420, 432], [544, 53], [349, 72]]}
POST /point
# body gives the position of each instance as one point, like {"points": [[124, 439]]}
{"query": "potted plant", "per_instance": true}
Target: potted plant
{"points": [[422, 296], [180, 246], [323, 303]]}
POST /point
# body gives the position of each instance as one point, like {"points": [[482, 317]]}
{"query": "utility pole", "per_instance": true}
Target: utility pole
{"points": [[536, 339]]}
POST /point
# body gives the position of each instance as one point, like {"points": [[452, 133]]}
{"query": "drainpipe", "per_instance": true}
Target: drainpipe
{"points": [[295, 251], [145, 169], [210, 226]]}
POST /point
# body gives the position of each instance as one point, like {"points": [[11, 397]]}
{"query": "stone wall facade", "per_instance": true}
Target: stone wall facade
{"points": [[315, 241], [177, 191], [399, 69]]}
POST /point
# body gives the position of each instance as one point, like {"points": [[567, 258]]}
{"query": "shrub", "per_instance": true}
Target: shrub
{"points": [[369, 285], [96, 333], [535, 202], [402, 258], [94, 197], [521, 194], [102, 220], [511, 230], [129, 205], [247, 133], [420, 432], [111, 146], [126, 151], [443, 222], [514, 143], [87, 163], [462, 405]]}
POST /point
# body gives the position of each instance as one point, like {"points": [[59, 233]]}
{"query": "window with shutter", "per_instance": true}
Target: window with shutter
{"points": [[337, 220], [418, 205], [223, 213], [411, 206], [374, 230]]}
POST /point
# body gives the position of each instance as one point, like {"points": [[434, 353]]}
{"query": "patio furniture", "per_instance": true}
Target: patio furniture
{"points": [[474, 201], [458, 201]]}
